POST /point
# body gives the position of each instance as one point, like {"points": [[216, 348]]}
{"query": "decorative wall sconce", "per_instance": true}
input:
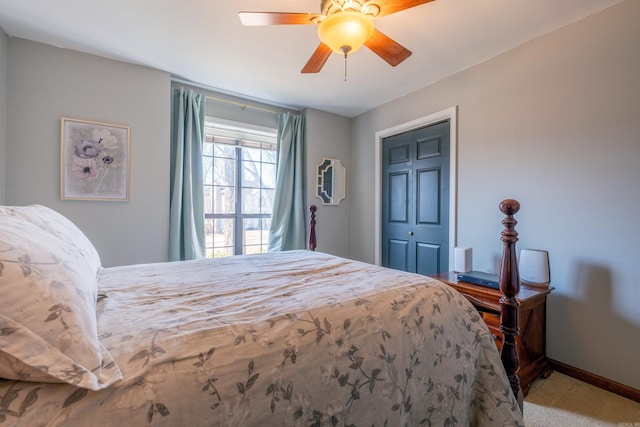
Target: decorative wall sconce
{"points": [[331, 181]]}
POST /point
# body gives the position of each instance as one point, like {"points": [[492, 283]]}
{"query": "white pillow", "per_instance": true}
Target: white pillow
{"points": [[48, 326], [60, 226]]}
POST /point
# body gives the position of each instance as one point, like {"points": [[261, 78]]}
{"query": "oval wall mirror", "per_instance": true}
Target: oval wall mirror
{"points": [[331, 181]]}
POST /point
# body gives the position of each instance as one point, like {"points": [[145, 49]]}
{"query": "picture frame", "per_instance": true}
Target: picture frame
{"points": [[94, 160]]}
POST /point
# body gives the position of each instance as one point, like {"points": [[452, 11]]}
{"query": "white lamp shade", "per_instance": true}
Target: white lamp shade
{"points": [[534, 267]]}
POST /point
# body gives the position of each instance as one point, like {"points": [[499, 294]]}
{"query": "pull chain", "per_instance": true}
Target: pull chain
{"points": [[345, 66], [346, 49]]}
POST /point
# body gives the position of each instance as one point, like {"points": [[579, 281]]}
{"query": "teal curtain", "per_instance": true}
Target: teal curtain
{"points": [[288, 225], [186, 223]]}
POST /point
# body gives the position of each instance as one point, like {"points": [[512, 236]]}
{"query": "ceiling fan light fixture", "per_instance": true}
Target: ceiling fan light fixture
{"points": [[345, 32]]}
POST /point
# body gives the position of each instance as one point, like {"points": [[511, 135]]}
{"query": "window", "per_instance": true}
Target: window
{"points": [[239, 163]]}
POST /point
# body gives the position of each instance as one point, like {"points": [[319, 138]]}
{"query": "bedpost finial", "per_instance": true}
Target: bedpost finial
{"points": [[509, 206], [312, 228]]}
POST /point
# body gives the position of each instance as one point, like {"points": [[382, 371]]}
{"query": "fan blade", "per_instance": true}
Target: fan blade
{"points": [[387, 49], [317, 60], [276, 18], [387, 7]]}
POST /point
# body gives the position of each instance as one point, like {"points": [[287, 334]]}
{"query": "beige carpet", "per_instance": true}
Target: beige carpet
{"points": [[567, 402]]}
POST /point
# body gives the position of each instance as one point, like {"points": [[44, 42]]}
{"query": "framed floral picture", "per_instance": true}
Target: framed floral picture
{"points": [[94, 161]]}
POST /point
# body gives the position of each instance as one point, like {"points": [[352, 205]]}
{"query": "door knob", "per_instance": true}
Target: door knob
{"points": [[411, 233]]}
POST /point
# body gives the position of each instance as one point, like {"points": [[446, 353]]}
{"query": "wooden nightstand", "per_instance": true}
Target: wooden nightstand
{"points": [[532, 323]]}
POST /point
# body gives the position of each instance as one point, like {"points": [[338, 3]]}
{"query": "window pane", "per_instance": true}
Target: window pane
{"points": [[259, 249], [268, 175], [224, 200], [269, 156], [219, 241], [207, 148], [255, 235], [251, 174], [224, 171], [220, 252], [266, 225], [253, 154], [250, 200], [207, 169], [208, 199], [208, 232], [224, 150], [266, 201]]}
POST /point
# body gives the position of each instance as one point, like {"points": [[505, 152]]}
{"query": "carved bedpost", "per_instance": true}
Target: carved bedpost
{"points": [[509, 304], [312, 231]]}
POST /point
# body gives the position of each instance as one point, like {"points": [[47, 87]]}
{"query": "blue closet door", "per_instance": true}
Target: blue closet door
{"points": [[415, 200]]}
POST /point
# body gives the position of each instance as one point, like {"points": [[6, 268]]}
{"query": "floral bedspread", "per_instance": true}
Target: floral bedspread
{"points": [[281, 339]]}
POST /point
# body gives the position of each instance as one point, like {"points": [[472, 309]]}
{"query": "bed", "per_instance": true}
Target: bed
{"points": [[296, 338]]}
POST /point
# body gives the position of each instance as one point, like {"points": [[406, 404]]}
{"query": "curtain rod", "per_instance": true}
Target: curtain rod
{"points": [[241, 105]]}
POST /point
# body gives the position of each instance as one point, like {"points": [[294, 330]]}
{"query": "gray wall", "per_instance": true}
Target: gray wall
{"points": [[555, 124], [328, 136], [3, 112], [48, 83]]}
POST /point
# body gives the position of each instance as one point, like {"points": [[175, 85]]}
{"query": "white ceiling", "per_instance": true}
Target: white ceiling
{"points": [[204, 42]]}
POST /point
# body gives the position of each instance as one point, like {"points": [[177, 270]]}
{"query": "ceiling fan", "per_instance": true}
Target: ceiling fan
{"points": [[343, 27]]}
